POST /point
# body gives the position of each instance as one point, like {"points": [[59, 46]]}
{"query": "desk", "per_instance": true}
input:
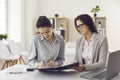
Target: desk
{"points": [[37, 75]]}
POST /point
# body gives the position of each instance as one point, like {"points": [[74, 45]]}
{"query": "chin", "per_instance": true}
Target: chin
{"points": [[47, 38], [82, 33]]}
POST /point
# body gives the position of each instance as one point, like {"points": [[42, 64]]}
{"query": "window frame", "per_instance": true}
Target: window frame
{"points": [[6, 16]]}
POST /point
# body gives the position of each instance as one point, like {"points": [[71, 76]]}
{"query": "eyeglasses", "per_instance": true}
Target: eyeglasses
{"points": [[80, 26]]}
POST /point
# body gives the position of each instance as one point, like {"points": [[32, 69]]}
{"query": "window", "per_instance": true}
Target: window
{"points": [[3, 20]]}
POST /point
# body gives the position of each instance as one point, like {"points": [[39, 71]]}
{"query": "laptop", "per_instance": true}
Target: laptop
{"points": [[113, 69]]}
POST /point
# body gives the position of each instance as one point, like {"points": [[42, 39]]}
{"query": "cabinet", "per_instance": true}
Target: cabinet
{"points": [[100, 23], [60, 26]]}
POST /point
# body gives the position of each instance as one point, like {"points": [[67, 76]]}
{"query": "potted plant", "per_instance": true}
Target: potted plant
{"points": [[56, 15], [95, 10], [61, 26], [3, 36]]}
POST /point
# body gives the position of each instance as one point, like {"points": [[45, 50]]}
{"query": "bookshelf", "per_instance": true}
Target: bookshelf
{"points": [[100, 23], [60, 26]]}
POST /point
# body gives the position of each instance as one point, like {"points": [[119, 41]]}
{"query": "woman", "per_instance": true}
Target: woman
{"points": [[91, 48], [47, 49]]}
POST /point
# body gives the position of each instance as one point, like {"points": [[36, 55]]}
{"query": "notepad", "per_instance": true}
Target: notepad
{"points": [[17, 69]]}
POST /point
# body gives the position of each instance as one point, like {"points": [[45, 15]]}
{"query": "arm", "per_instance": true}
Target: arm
{"points": [[103, 50], [32, 60], [60, 57]]}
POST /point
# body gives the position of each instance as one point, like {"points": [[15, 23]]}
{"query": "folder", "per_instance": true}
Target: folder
{"points": [[65, 67]]}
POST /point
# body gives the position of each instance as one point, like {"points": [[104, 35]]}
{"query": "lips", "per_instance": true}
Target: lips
{"points": [[47, 37]]}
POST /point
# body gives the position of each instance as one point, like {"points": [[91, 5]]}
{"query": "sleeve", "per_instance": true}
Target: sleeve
{"points": [[32, 60], [60, 57], [102, 57]]}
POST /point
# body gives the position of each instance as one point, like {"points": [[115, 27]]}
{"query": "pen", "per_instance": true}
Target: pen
{"points": [[15, 72]]}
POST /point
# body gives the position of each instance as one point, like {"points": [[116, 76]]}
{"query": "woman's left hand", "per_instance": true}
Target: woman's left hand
{"points": [[79, 68]]}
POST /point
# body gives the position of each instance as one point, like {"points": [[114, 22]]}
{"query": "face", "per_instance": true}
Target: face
{"points": [[82, 28], [46, 32]]}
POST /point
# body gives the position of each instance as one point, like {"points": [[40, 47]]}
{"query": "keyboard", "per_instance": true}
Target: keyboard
{"points": [[100, 75]]}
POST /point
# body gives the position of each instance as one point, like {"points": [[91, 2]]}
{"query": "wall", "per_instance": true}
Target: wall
{"points": [[30, 16], [72, 8], [16, 21], [21, 21], [31, 9]]}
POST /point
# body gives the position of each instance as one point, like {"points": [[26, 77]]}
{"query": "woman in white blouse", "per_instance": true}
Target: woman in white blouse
{"points": [[91, 47], [47, 49]]}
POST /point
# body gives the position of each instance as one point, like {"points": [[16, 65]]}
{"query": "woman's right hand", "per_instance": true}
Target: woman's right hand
{"points": [[41, 65], [79, 68]]}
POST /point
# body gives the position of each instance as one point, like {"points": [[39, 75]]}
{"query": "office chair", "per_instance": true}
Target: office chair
{"points": [[7, 57], [14, 49]]}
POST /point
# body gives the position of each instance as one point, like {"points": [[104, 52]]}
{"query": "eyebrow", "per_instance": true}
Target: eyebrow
{"points": [[45, 32]]}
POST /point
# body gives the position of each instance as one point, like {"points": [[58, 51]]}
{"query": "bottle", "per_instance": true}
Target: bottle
{"points": [[99, 25], [100, 29]]}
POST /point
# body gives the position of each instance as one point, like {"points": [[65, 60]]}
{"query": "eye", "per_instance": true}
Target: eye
{"points": [[47, 32], [41, 33]]}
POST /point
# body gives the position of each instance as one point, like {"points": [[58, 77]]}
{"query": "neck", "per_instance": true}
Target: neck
{"points": [[51, 39], [88, 35]]}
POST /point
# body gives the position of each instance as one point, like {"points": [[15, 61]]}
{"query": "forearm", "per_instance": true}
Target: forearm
{"points": [[33, 63], [97, 65], [59, 62]]}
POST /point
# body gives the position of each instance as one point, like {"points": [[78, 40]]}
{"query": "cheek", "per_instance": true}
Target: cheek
{"points": [[48, 35], [83, 31]]}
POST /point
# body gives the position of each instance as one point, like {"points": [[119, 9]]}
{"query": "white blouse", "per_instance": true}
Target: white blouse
{"points": [[87, 50]]}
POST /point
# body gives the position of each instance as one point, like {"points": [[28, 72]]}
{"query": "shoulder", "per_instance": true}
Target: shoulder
{"points": [[100, 37], [59, 37], [37, 37]]}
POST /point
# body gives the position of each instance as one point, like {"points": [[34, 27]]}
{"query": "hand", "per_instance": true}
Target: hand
{"points": [[41, 65], [51, 63], [79, 68]]}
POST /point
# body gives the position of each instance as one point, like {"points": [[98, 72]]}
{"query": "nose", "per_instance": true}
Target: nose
{"points": [[45, 35]]}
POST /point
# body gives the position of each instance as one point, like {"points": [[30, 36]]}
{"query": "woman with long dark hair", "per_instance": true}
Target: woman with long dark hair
{"points": [[91, 48]]}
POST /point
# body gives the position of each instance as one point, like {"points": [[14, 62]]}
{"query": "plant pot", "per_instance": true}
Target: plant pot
{"points": [[95, 15], [56, 15]]}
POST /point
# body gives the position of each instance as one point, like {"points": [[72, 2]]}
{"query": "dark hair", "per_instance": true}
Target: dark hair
{"points": [[43, 21], [87, 20]]}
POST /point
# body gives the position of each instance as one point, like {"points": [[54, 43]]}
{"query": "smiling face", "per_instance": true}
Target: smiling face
{"points": [[82, 28], [46, 32]]}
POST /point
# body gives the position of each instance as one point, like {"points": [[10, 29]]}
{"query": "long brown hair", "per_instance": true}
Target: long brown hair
{"points": [[87, 20]]}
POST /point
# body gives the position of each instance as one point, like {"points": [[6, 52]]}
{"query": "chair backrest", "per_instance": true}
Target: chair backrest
{"points": [[4, 50], [70, 47], [13, 47]]}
